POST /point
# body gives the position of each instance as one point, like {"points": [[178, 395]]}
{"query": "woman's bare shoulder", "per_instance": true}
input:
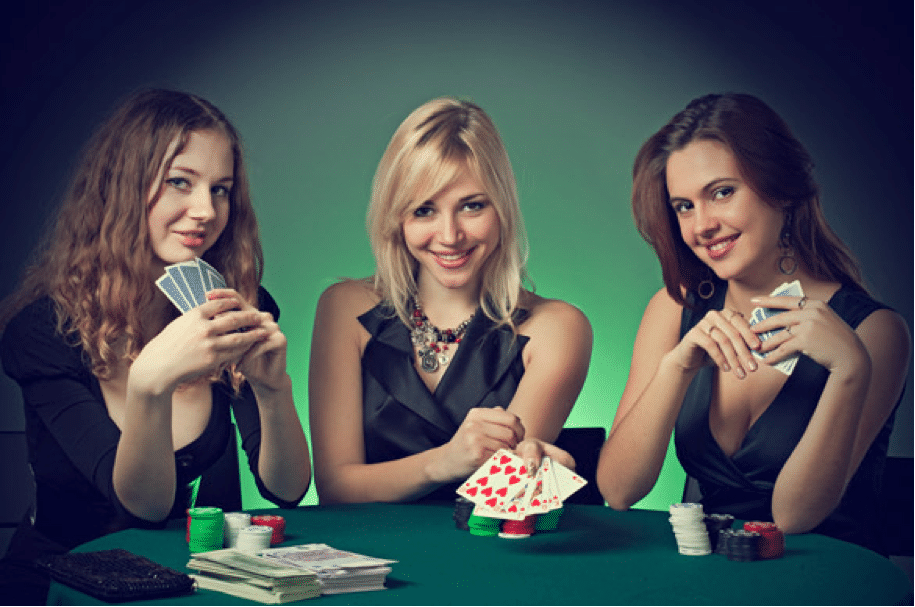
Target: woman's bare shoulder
{"points": [[543, 313], [349, 298]]}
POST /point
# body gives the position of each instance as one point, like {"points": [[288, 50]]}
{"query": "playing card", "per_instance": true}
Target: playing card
{"points": [[215, 278], [167, 285], [544, 495], [502, 478], [567, 482], [186, 284], [792, 289], [178, 278], [190, 271]]}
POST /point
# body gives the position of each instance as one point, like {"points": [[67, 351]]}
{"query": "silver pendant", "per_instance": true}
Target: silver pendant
{"points": [[428, 361]]}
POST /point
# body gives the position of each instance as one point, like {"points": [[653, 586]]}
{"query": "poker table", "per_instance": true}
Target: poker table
{"points": [[595, 556]]}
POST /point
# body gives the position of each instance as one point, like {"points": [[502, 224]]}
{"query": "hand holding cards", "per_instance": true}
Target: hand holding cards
{"points": [[792, 289], [503, 488]]}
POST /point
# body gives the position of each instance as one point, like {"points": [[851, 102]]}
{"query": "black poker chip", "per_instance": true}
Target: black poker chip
{"points": [[463, 508]]}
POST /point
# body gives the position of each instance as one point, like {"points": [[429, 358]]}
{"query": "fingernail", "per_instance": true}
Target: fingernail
{"points": [[740, 373], [752, 364]]}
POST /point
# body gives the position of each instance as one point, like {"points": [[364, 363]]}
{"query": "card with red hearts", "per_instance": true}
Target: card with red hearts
{"points": [[502, 488], [497, 484]]}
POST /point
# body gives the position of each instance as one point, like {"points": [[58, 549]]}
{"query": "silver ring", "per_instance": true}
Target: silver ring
{"points": [[802, 302], [788, 329]]}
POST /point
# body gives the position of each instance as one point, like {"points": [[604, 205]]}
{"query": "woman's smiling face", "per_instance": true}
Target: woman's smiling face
{"points": [[722, 219]]}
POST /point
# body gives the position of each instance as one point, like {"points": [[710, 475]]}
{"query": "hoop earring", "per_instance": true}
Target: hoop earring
{"points": [[706, 289]]}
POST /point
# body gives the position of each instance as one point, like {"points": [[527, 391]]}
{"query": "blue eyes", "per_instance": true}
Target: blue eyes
{"points": [[184, 185], [428, 209], [179, 183]]}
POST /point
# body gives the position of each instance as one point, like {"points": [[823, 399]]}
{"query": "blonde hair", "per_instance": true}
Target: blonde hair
{"points": [[437, 144], [94, 264]]}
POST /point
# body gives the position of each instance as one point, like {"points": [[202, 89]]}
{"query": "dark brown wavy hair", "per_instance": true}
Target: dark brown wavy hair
{"points": [[774, 164], [94, 263]]}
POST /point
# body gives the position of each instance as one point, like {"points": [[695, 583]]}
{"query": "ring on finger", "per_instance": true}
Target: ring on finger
{"points": [[802, 302], [710, 329], [788, 329]]}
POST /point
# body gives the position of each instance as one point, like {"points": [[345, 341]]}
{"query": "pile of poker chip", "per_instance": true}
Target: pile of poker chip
{"points": [[276, 523], [698, 534], [771, 539], [688, 523], [485, 526]]}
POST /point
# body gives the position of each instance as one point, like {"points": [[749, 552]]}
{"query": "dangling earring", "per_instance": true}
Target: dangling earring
{"points": [[706, 288], [787, 264]]}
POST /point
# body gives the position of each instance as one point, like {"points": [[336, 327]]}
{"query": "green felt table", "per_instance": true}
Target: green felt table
{"points": [[595, 556]]}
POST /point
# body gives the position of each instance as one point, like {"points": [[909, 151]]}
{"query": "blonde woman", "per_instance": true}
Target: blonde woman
{"points": [[422, 371]]}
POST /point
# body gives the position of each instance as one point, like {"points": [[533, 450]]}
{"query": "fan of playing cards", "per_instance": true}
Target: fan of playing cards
{"points": [[186, 284], [789, 289], [502, 487]]}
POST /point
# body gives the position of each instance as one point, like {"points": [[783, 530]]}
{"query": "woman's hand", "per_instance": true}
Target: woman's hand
{"points": [[264, 364], [722, 336], [483, 432], [811, 328], [532, 450], [197, 343]]}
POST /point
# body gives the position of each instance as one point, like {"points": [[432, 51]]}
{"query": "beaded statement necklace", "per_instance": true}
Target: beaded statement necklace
{"points": [[432, 341]]}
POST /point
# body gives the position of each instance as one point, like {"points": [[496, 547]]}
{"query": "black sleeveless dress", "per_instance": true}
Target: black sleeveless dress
{"points": [[742, 484], [401, 416]]}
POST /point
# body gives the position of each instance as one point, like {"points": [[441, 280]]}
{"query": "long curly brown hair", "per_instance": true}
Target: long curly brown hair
{"points": [[94, 263]]}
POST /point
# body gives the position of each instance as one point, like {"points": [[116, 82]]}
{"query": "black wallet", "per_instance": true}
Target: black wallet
{"points": [[116, 576]]}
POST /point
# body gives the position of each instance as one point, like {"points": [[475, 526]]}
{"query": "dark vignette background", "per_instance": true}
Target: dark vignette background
{"points": [[317, 88]]}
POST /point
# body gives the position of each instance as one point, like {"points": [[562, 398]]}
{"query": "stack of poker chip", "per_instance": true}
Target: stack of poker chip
{"points": [[721, 542], [512, 529], [234, 522], [277, 525], [205, 529], [688, 522], [463, 507], [548, 521], [742, 545], [771, 538], [714, 523], [484, 525], [253, 539]]}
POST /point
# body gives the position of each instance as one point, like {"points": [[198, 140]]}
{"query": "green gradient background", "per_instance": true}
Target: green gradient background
{"points": [[317, 89]]}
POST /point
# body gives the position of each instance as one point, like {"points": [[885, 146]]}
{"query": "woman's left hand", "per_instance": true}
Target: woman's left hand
{"points": [[811, 328], [532, 450], [264, 365]]}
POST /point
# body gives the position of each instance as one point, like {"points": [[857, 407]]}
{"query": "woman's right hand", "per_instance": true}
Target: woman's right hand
{"points": [[723, 338], [483, 432], [196, 344]]}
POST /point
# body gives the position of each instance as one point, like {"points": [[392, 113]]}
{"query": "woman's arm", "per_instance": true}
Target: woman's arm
{"points": [[867, 369], [556, 360], [193, 345], [634, 452], [335, 408], [284, 465]]}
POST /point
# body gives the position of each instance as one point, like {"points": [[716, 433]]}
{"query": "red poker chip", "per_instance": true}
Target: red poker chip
{"points": [[276, 523]]}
